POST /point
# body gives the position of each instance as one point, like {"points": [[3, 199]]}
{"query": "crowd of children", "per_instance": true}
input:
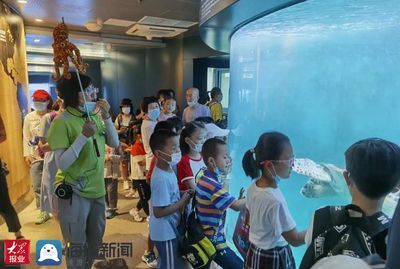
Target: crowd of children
{"points": [[372, 171], [176, 169]]}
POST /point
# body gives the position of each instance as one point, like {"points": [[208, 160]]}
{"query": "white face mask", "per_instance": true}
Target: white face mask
{"points": [[175, 158], [90, 106], [40, 106], [191, 103], [154, 114], [126, 110]]}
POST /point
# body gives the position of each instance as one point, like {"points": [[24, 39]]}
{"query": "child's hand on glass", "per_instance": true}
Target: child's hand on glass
{"points": [[241, 194]]}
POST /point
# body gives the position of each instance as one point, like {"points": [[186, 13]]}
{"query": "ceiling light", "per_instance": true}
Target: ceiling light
{"points": [[22, 1], [94, 26], [38, 20], [36, 40]]}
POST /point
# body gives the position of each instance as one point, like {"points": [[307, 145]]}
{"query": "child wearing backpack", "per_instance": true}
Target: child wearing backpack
{"points": [[359, 229], [272, 227]]}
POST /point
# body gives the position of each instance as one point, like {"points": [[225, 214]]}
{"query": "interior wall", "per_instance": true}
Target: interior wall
{"points": [[94, 71], [13, 100], [138, 73]]}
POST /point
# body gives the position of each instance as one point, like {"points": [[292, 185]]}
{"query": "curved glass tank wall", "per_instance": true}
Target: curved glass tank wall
{"points": [[326, 73]]}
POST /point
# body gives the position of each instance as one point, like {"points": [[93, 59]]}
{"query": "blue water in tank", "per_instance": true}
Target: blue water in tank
{"points": [[325, 73]]}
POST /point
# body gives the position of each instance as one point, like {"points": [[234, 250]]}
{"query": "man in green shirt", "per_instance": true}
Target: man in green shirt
{"points": [[73, 136]]}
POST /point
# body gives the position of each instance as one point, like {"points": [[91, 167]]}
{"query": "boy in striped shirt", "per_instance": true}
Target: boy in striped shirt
{"points": [[213, 201]]}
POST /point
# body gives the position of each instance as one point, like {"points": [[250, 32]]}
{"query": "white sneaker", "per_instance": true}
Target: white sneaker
{"points": [[150, 259], [126, 185], [136, 215], [42, 218], [132, 194]]}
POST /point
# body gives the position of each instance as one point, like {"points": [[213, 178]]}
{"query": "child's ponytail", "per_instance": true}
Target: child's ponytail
{"points": [[249, 163]]}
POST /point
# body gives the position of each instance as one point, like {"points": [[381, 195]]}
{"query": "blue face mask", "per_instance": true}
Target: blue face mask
{"points": [[221, 173], [40, 106], [191, 103], [196, 147], [90, 106], [275, 177], [218, 172], [154, 114]]}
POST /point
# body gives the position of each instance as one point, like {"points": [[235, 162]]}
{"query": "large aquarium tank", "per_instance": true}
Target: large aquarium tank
{"points": [[325, 73]]}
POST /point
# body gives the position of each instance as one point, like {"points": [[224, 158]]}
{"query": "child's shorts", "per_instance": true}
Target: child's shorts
{"points": [[168, 255]]}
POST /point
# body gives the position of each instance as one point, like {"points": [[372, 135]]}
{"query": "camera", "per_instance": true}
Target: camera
{"points": [[64, 191]]}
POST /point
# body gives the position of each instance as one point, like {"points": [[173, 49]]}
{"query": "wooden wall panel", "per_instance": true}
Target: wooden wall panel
{"points": [[13, 99]]}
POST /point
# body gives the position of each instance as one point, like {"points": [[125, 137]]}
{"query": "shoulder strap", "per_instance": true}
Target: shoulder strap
{"points": [[323, 220], [372, 225], [378, 223]]}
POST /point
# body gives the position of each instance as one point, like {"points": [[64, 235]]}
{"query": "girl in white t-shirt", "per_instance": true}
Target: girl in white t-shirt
{"points": [[272, 227], [191, 142]]}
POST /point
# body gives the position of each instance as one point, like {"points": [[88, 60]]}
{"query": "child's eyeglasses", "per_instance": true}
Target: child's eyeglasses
{"points": [[289, 162]]}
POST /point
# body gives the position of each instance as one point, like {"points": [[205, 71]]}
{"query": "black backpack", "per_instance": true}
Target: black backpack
{"points": [[345, 230]]}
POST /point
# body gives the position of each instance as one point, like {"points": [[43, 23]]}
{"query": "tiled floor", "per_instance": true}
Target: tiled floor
{"points": [[121, 229]]}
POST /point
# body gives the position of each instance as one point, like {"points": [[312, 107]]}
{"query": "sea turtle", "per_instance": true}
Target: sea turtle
{"points": [[327, 180], [324, 179]]}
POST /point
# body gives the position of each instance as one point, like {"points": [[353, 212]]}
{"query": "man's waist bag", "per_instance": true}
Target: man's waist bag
{"points": [[193, 245], [339, 230]]}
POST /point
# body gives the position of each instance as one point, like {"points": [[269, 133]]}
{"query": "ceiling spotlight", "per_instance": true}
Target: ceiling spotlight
{"points": [[38, 20], [22, 1], [36, 40]]}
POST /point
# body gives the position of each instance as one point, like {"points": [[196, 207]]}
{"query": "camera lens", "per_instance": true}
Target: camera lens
{"points": [[61, 192]]}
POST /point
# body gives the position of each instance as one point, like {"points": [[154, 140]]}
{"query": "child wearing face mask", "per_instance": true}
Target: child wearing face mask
{"points": [[151, 110], [168, 107], [191, 141], [272, 227], [33, 154], [166, 201], [212, 201], [138, 176], [124, 123]]}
